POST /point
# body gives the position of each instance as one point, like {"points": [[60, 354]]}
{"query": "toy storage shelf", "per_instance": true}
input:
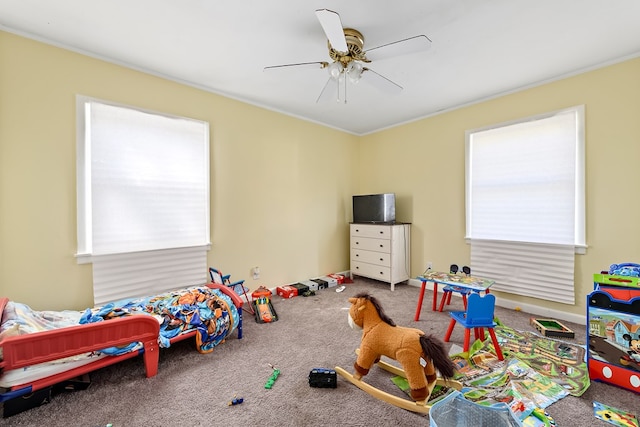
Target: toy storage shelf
{"points": [[613, 339], [612, 279]]}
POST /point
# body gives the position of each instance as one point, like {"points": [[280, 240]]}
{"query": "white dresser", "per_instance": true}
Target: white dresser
{"points": [[381, 252]]}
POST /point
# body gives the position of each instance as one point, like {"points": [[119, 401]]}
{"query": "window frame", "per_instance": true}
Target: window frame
{"points": [[84, 153], [579, 242]]}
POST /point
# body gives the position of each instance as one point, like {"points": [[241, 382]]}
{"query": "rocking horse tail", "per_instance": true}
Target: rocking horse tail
{"points": [[434, 349]]}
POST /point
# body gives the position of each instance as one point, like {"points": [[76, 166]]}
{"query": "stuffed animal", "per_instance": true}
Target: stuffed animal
{"points": [[419, 355]]}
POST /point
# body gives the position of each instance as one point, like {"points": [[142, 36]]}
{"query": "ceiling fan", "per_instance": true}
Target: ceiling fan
{"points": [[348, 55]]}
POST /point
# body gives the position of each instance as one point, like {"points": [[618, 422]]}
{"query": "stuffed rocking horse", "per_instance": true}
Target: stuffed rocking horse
{"points": [[419, 355]]}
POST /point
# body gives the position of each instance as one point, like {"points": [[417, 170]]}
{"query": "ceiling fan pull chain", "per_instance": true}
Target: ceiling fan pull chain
{"points": [[345, 88]]}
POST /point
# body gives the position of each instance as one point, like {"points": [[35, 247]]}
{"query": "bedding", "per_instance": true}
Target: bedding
{"points": [[210, 312], [19, 319], [42, 348], [71, 343]]}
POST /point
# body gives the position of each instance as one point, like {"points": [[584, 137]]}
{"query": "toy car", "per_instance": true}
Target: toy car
{"points": [[323, 378]]}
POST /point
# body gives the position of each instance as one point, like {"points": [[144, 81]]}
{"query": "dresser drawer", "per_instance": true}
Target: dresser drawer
{"points": [[370, 257], [365, 243], [377, 272], [375, 231]]}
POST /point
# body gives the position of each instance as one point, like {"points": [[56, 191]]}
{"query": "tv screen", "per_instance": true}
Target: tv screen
{"points": [[374, 208]]}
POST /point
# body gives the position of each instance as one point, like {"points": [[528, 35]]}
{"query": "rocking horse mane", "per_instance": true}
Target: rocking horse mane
{"points": [[376, 304]]}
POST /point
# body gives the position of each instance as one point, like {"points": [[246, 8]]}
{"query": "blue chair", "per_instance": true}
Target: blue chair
{"points": [[479, 315], [450, 289], [237, 287]]}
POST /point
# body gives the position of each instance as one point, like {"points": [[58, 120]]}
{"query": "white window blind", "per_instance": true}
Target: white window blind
{"points": [[147, 273], [530, 269], [143, 186], [525, 199]]}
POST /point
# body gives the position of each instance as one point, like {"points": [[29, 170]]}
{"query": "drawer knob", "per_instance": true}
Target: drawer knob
{"points": [[357, 255], [381, 273], [381, 259], [382, 246], [357, 230], [381, 232]]}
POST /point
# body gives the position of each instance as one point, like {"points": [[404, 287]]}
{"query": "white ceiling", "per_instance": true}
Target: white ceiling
{"points": [[480, 48]]}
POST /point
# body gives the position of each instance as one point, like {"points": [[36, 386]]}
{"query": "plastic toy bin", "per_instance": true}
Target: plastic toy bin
{"points": [[456, 411]]}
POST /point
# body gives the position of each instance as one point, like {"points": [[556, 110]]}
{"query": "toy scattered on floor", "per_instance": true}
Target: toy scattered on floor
{"points": [[264, 311], [551, 328], [323, 378], [539, 418], [272, 379], [419, 355], [614, 416], [262, 291], [235, 401], [340, 278]]}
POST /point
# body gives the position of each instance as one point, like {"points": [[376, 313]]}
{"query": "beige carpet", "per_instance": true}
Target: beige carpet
{"points": [[194, 389]]}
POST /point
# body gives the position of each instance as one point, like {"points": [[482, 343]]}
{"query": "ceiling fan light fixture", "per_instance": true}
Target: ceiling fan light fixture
{"points": [[354, 71], [349, 58], [335, 69]]}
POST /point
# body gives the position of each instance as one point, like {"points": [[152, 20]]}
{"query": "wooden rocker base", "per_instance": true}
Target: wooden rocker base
{"points": [[409, 405]]}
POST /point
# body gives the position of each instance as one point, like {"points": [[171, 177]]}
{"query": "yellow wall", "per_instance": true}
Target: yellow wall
{"points": [[280, 187], [425, 162], [272, 204]]}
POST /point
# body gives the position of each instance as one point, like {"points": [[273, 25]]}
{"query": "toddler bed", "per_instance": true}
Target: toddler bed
{"points": [[41, 349]]}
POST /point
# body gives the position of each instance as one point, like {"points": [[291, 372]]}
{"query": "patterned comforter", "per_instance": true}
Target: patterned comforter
{"points": [[209, 311]]}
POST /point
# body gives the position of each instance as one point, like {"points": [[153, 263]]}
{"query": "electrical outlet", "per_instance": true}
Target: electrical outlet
{"points": [[429, 265], [256, 273]]}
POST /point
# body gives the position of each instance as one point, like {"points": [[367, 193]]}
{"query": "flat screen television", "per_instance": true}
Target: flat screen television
{"points": [[374, 208]]}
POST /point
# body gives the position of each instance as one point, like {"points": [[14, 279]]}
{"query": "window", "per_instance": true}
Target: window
{"points": [[143, 194], [525, 209]]}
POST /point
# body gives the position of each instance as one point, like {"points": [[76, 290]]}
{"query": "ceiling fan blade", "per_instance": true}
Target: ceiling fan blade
{"points": [[401, 47], [379, 81], [332, 26], [309, 65]]}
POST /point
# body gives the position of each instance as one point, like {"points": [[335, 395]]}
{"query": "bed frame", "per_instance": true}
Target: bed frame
{"points": [[30, 349]]}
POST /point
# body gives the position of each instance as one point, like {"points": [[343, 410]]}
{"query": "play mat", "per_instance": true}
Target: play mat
{"points": [[537, 371]]}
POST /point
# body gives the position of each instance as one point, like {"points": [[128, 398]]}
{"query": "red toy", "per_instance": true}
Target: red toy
{"points": [[261, 292], [265, 313]]}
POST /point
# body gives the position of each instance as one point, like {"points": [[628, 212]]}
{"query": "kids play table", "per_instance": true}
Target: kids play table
{"points": [[472, 283]]}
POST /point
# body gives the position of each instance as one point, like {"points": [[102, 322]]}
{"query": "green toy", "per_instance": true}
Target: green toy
{"points": [[273, 377]]}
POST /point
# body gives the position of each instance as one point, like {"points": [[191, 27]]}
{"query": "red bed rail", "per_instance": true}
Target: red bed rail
{"points": [[25, 350]]}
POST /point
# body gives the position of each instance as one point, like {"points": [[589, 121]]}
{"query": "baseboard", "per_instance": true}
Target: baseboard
{"points": [[527, 308]]}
